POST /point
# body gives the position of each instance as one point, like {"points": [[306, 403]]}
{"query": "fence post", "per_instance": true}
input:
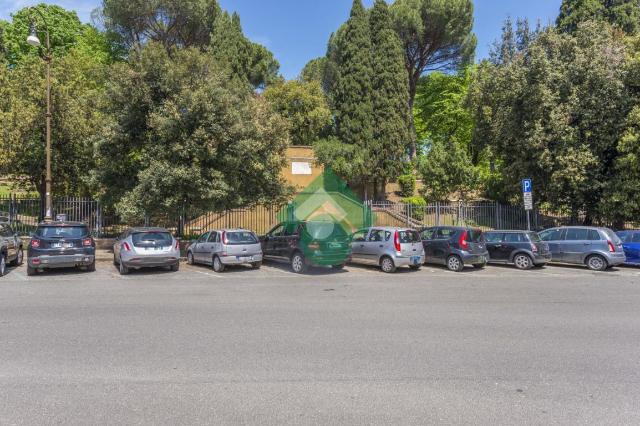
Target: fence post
{"points": [[437, 213], [458, 213], [498, 225]]}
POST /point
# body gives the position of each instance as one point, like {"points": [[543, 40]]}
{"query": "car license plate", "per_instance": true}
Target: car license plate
{"points": [[244, 258], [415, 260], [335, 245], [61, 245]]}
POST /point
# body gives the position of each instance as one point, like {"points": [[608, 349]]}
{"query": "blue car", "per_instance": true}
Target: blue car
{"points": [[631, 245]]}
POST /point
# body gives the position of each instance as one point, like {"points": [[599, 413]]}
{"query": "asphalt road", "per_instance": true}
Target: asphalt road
{"points": [[499, 346]]}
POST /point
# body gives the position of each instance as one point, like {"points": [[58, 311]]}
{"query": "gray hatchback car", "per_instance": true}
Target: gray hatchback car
{"points": [[597, 248], [388, 248], [226, 247]]}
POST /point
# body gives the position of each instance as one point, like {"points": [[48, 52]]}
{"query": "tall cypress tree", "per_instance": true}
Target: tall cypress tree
{"points": [[624, 14], [390, 96], [351, 93]]}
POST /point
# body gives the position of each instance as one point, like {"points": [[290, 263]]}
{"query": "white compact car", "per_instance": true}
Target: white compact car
{"points": [[139, 248], [226, 247]]}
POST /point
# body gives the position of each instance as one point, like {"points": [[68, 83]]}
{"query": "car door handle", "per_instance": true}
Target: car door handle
{"points": [[381, 246]]}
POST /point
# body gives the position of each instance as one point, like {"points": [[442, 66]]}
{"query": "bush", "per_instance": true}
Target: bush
{"points": [[417, 205], [407, 185]]}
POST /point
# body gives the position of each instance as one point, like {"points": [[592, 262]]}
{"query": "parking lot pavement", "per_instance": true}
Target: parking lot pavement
{"points": [[557, 345]]}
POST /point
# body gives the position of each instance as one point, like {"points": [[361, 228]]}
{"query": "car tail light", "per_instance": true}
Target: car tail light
{"points": [[126, 246], [612, 248], [314, 246], [35, 243], [87, 242], [396, 241], [224, 238], [534, 248], [463, 240], [177, 245]]}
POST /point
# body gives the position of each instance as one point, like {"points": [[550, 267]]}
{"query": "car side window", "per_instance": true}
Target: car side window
{"points": [[360, 236], [278, 231], [514, 238], [212, 237], [594, 235], [376, 236], [203, 237], [428, 234], [552, 235], [577, 234], [636, 238], [493, 237], [291, 229], [387, 235], [445, 233]]}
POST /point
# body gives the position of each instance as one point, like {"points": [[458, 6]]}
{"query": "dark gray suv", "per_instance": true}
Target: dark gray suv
{"points": [[524, 249], [455, 247], [597, 248]]}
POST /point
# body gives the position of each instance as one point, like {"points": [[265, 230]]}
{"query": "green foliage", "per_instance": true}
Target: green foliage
{"points": [[304, 106], [624, 14], [436, 35], [407, 184], [182, 133], [446, 169], [418, 207], [543, 116], [66, 33]]}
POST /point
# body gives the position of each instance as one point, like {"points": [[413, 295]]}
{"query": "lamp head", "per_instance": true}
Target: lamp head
{"points": [[33, 39]]}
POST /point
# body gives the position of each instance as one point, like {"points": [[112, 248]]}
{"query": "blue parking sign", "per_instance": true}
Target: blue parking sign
{"points": [[527, 186]]}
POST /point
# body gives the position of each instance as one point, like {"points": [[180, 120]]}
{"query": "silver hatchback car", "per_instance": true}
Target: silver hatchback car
{"points": [[139, 248], [389, 248], [597, 248], [226, 247]]}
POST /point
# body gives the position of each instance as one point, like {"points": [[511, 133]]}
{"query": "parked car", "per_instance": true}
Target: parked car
{"points": [[11, 252], [308, 243], [388, 248], [455, 247], [226, 247], [139, 248], [524, 249], [631, 246], [61, 245], [597, 248]]}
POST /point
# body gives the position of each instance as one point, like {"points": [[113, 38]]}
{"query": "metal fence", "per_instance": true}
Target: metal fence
{"points": [[24, 213]]}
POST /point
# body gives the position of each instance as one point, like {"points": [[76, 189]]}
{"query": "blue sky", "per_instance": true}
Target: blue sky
{"points": [[297, 30]]}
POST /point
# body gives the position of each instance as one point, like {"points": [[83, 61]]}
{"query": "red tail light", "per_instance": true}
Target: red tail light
{"points": [[534, 248], [224, 238], [612, 248], [314, 246], [126, 246], [35, 243], [396, 241], [463, 240], [177, 245], [87, 242]]}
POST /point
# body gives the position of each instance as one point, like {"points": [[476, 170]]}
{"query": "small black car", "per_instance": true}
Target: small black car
{"points": [[455, 247], [522, 248], [312, 243], [61, 245]]}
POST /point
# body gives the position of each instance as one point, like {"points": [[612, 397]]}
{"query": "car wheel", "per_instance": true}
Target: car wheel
{"points": [[297, 263], [175, 268], [123, 269], [523, 262], [190, 258], [31, 271], [387, 265], [115, 260], [597, 263], [218, 266], [338, 267], [92, 267], [256, 265], [3, 265], [19, 258], [455, 264]]}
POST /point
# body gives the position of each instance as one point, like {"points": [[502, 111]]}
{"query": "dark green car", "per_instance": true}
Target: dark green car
{"points": [[308, 243]]}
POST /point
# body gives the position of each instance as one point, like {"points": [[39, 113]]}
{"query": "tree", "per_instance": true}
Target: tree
{"points": [[390, 96], [437, 36], [184, 134], [351, 100], [624, 14], [304, 106]]}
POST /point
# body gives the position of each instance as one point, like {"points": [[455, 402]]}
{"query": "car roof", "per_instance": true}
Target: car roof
{"points": [[232, 230], [391, 228], [508, 231], [61, 223], [148, 229]]}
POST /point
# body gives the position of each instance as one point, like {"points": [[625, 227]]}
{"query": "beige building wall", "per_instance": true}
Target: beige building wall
{"points": [[301, 168]]}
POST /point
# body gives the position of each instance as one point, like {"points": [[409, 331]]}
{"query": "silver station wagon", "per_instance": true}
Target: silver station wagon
{"points": [[139, 248], [389, 248], [226, 247]]}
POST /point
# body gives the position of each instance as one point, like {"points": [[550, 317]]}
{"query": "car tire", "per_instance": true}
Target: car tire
{"points": [[92, 267], [190, 258], [122, 268], [595, 262], [175, 268], [479, 265], [3, 265], [19, 258], [455, 264], [387, 265], [523, 261], [298, 264], [217, 264], [339, 267], [115, 260], [31, 271], [256, 265]]}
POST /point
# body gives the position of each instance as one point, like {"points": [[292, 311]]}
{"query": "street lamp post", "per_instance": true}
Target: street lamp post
{"points": [[33, 40]]}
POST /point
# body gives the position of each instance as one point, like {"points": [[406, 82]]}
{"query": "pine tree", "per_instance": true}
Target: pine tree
{"points": [[624, 14], [390, 97]]}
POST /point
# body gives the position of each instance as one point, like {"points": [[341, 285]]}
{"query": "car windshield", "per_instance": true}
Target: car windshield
{"points": [[240, 237], [535, 238], [409, 237], [325, 230], [62, 231], [474, 236], [151, 239]]}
